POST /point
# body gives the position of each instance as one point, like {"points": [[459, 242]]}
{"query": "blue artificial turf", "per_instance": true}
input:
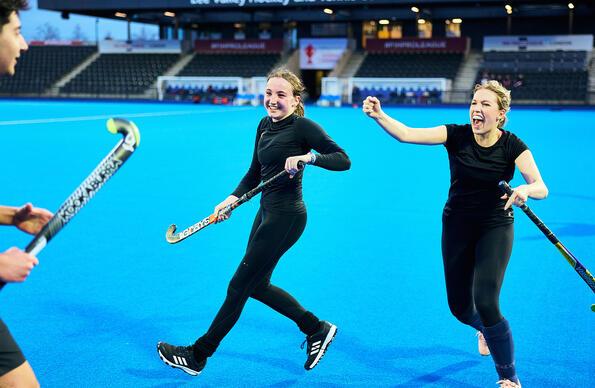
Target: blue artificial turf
{"points": [[109, 286]]}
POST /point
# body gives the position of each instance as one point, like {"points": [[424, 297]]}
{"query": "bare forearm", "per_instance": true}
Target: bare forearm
{"points": [[393, 127], [406, 134], [400, 131], [535, 187], [7, 215], [537, 190]]}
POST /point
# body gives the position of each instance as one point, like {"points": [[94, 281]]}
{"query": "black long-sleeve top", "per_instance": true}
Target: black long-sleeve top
{"points": [[275, 142]]}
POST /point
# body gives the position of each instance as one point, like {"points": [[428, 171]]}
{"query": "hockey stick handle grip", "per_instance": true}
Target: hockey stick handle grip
{"points": [[247, 196], [505, 187]]}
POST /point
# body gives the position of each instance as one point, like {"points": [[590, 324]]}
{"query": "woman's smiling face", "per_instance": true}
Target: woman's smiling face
{"points": [[279, 100]]}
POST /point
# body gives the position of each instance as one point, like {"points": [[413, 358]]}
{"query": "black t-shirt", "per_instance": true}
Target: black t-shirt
{"points": [[475, 171], [275, 142]]}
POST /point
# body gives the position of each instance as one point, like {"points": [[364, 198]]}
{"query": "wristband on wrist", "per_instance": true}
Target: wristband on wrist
{"points": [[312, 157]]}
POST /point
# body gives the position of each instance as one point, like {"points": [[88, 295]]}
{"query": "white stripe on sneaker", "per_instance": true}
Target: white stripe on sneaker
{"points": [[329, 337], [180, 360], [191, 372], [315, 349]]}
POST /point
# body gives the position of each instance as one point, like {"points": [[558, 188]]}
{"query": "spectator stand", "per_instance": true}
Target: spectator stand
{"points": [[213, 90], [224, 72], [539, 69], [400, 71], [124, 69], [44, 64], [399, 90]]}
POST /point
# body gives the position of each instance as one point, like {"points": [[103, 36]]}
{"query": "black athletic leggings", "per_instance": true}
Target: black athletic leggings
{"points": [[475, 250], [271, 236]]}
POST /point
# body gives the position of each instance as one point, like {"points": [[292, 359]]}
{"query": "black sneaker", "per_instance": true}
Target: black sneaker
{"points": [[318, 342], [180, 357]]}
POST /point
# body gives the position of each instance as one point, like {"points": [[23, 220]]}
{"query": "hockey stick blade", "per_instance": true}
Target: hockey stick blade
{"points": [[91, 185], [172, 237]]}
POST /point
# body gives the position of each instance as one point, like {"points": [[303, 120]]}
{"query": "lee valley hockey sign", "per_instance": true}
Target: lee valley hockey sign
{"points": [[72, 5], [244, 3], [77, 5]]}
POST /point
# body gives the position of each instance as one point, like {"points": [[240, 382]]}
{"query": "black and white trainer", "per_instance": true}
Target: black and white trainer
{"points": [[180, 357], [318, 343]]}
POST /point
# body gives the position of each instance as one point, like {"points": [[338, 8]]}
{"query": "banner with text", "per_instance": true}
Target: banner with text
{"points": [[538, 43], [456, 45], [60, 43], [246, 45], [140, 47]]}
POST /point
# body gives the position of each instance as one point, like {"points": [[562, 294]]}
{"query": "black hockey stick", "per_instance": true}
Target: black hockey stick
{"points": [[91, 185], [573, 261], [172, 237]]}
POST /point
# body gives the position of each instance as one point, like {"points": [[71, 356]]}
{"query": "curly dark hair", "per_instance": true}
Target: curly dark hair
{"points": [[7, 7]]}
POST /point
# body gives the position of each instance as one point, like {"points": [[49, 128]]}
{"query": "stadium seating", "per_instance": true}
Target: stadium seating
{"points": [[120, 74], [536, 61], [539, 75], [411, 65], [198, 95], [230, 65], [531, 75], [399, 95], [41, 66]]}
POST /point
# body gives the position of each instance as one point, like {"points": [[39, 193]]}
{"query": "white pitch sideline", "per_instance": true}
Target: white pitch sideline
{"points": [[126, 115]]}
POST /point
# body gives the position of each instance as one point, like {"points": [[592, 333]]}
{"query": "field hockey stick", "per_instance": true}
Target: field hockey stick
{"points": [[172, 237], [573, 261], [91, 185]]}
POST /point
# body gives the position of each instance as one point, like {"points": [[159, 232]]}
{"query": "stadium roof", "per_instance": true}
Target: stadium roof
{"points": [[189, 12]]}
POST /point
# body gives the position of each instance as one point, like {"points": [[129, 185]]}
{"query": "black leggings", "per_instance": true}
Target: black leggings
{"points": [[271, 236], [475, 251]]}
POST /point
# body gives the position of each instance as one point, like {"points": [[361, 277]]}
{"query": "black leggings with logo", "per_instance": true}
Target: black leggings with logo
{"points": [[271, 236]]}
